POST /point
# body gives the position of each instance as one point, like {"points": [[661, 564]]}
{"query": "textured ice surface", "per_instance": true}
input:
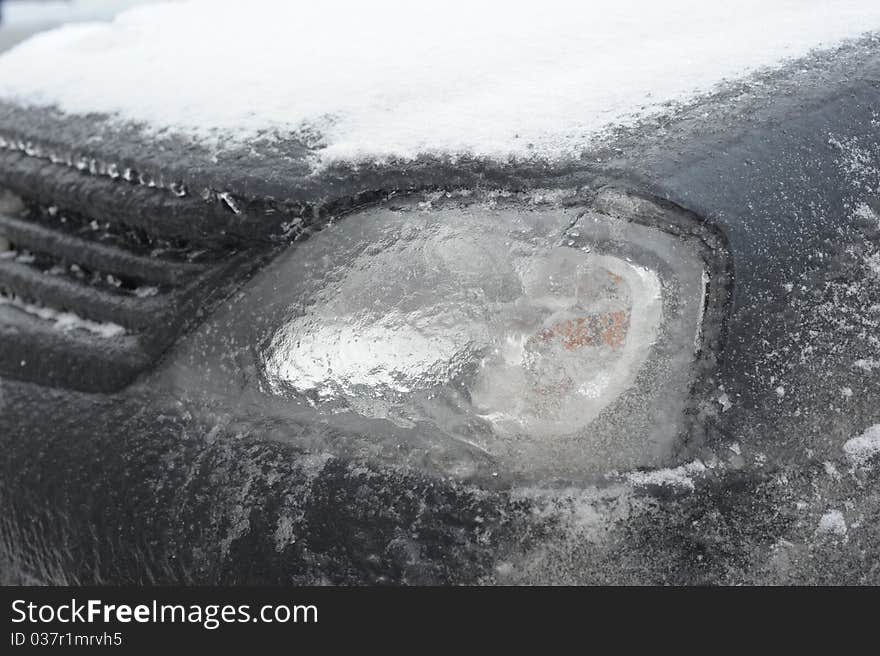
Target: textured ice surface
{"points": [[373, 79], [539, 338], [531, 342], [576, 337]]}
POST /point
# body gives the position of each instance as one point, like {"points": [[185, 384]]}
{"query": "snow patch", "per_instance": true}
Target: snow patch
{"points": [[873, 262], [378, 79], [832, 523], [64, 321], [867, 365], [859, 450], [679, 477], [831, 471]]}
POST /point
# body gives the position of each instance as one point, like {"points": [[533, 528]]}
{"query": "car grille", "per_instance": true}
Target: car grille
{"points": [[100, 274]]}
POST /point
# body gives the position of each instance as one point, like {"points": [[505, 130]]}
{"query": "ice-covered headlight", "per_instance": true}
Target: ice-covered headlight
{"points": [[472, 337]]}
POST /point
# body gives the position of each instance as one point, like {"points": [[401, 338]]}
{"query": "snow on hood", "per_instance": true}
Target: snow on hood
{"points": [[387, 78], [18, 13]]}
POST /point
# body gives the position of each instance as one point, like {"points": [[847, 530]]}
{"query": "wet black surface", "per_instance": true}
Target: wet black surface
{"points": [[133, 487]]}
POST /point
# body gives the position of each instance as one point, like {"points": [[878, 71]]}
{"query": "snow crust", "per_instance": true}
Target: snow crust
{"points": [[372, 80]]}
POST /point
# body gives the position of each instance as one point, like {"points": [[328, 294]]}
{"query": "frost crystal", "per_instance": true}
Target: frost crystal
{"points": [[859, 450]]}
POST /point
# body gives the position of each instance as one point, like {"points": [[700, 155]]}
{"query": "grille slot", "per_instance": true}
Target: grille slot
{"points": [[155, 211], [65, 294], [63, 271], [31, 236]]}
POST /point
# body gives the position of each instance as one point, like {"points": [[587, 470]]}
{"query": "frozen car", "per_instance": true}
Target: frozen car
{"points": [[537, 296]]}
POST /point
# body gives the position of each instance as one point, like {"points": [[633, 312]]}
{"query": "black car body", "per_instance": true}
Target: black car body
{"points": [[115, 471]]}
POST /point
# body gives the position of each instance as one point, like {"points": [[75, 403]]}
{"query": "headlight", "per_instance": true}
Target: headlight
{"points": [[476, 337]]}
